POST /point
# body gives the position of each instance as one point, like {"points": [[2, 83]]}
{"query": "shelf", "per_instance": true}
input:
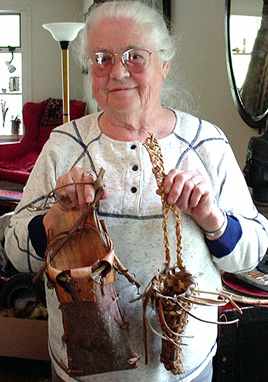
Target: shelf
{"points": [[241, 54], [11, 138], [11, 93]]}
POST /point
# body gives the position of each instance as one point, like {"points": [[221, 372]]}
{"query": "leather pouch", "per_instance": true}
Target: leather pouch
{"points": [[80, 266]]}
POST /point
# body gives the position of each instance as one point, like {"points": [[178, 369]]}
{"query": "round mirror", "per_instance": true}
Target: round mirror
{"points": [[247, 58]]}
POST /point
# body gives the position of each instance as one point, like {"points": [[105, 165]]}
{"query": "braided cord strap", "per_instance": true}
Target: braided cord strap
{"points": [[152, 146]]}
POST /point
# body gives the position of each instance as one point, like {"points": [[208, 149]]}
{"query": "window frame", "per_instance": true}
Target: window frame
{"points": [[12, 7], [8, 13]]}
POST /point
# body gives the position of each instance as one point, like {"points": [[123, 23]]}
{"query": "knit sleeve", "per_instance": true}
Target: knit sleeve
{"points": [[18, 245], [242, 248]]}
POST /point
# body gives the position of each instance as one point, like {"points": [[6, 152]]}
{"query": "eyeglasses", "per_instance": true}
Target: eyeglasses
{"points": [[135, 60]]}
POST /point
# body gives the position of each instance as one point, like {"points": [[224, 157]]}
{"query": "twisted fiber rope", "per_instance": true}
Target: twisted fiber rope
{"points": [[156, 157], [172, 310], [172, 319]]}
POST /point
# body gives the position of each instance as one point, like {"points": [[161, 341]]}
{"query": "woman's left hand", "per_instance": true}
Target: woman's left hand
{"points": [[191, 192]]}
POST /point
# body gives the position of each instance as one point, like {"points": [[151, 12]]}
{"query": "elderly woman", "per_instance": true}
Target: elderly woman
{"points": [[130, 50]]}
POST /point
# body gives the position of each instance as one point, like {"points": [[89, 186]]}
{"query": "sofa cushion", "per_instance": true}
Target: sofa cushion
{"points": [[43, 136], [52, 115], [39, 118], [18, 170]]}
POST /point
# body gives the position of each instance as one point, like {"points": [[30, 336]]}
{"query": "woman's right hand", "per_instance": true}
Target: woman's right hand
{"points": [[71, 197], [76, 188]]}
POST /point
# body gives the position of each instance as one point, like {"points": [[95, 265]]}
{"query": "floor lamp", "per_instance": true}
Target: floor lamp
{"points": [[64, 33]]}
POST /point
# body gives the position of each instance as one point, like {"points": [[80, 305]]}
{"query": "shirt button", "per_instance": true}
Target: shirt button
{"points": [[134, 190], [135, 167], [133, 147]]}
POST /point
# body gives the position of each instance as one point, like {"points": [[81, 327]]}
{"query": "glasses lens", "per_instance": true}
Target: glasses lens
{"points": [[136, 59], [102, 62]]}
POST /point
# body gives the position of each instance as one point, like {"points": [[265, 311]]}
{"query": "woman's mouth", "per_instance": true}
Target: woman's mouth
{"points": [[119, 90]]}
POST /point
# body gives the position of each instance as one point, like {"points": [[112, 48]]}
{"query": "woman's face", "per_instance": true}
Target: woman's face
{"points": [[119, 90]]}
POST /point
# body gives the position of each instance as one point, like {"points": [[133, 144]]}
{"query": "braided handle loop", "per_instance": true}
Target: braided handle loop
{"points": [[152, 146]]}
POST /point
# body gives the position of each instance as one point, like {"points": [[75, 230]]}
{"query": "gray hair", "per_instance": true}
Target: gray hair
{"points": [[172, 94], [142, 15]]}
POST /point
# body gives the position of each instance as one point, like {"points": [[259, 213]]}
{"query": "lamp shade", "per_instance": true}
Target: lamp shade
{"points": [[64, 31]]}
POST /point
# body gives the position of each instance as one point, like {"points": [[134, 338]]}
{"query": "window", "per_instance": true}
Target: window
{"points": [[243, 32], [10, 73], [10, 30]]}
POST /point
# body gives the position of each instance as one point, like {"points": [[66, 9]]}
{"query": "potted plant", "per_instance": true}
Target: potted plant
{"points": [[4, 110], [15, 125]]}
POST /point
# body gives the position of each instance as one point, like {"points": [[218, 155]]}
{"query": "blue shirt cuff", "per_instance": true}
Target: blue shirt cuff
{"points": [[225, 244]]}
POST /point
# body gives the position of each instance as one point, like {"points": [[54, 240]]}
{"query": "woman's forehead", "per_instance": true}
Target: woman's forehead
{"points": [[120, 33]]}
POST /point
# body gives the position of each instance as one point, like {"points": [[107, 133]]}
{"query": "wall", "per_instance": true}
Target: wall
{"points": [[43, 63], [46, 55], [247, 7], [202, 67]]}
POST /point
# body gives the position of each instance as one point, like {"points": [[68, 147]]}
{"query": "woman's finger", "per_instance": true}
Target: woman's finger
{"points": [[199, 190], [88, 188], [80, 186], [184, 198], [174, 184], [168, 180], [66, 191]]}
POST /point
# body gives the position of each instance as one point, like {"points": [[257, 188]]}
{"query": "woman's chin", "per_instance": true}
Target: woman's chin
{"points": [[124, 105]]}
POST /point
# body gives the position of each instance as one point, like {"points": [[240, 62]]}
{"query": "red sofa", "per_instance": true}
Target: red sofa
{"points": [[39, 118]]}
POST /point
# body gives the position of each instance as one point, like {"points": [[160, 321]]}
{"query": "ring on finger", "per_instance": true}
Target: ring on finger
{"points": [[195, 183], [91, 173]]}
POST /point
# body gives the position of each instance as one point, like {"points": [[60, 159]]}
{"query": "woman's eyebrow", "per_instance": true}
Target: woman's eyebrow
{"points": [[119, 51]]}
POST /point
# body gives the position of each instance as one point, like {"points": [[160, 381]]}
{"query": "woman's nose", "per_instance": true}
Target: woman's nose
{"points": [[119, 70]]}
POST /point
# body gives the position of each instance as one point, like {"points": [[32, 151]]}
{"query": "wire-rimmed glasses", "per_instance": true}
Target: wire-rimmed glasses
{"points": [[135, 60]]}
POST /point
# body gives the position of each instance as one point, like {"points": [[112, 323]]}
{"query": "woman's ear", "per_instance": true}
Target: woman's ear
{"points": [[165, 69]]}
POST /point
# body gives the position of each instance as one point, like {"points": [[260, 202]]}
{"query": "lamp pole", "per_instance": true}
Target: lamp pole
{"points": [[64, 33], [65, 80]]}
